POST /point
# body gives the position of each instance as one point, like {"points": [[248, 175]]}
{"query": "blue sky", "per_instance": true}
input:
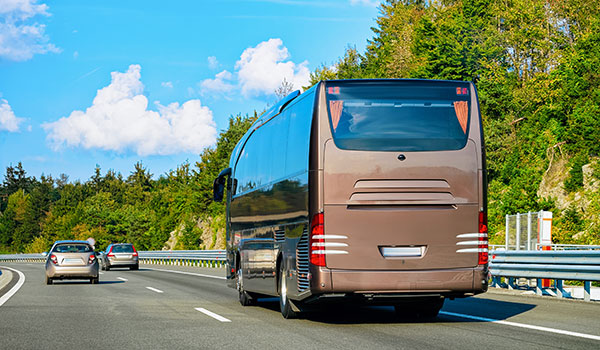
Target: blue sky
{"points": [[113, 82]]}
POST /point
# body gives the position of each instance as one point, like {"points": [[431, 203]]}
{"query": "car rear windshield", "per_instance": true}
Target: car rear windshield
{"points": [[399, 115], [72, 248], [125, 248]]}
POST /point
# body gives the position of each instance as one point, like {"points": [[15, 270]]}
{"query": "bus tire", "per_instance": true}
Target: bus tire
{"points": [[285, 304], [245, 298]]}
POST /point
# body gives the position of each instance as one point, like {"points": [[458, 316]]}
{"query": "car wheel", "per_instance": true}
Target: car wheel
{"points": [[95, 280], [48, 280], [106, 268], [136, 267], [245, 298], [284, 302]]}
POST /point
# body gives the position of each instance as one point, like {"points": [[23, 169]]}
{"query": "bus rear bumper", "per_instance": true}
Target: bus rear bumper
{"points": [[460, 282]]}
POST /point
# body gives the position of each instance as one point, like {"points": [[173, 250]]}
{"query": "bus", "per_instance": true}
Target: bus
{"points": [[360, 191]]}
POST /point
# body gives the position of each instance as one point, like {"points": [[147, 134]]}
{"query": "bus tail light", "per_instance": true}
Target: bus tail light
{"points": [[317, 240], [482, 248]]}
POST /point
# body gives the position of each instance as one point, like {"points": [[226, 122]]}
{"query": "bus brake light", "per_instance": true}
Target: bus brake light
{"points": [[482, 248], [317, 240]]}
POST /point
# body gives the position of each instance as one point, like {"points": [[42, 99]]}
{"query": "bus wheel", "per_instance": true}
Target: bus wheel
{"points": [[245, 298], [284, 302]]}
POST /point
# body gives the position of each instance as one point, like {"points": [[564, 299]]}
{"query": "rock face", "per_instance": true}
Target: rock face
{"points": [[552, 186], [590, 183], [213, 236], [171, 243]]}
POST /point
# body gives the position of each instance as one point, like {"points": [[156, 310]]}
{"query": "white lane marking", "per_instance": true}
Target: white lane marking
{"points": [[523, 325], [190, 273], [102, 273], [213, 315], [155, 290], [122, 279], [15, 288]]}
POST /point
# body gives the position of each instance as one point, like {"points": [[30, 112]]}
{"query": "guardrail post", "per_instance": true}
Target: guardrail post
{"points": [[518, 234], [587, 289], [560, 292], [538, 287], [506, 234], [528, 230]]}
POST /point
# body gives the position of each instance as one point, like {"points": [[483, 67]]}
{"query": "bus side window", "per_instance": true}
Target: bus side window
{"points": [[299, 135]]}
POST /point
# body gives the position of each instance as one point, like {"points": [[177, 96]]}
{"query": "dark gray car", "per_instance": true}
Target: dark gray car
{"points": [[120, 255]]}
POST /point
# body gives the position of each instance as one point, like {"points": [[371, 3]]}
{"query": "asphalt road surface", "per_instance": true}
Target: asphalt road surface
{"points": [[158, 308]]}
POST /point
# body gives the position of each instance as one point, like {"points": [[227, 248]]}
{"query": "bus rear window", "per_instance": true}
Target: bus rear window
{"points": [[399, 115]]}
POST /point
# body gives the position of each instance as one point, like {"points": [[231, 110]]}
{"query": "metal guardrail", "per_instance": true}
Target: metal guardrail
{"points": [[202, 258], [501, 247], [37, 257], [580, 265]]}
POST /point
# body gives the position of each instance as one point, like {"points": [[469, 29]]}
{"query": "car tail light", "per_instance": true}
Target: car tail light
{"points": [[91, 259], [110, 253], [317, 240], [482, 248], [54, 259], [135, 253]]}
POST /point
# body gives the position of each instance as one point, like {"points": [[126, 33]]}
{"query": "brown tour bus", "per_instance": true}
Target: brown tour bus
{"points": [[363, 191]]}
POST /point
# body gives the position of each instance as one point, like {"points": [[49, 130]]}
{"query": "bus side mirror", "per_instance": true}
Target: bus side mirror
{"points": [[219, 185]]}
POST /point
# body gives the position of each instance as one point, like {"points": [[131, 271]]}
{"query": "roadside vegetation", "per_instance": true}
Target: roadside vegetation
{"points": [[534, 62], [177, 207]]}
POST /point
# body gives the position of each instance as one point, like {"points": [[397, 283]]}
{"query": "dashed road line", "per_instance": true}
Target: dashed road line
{"points": [[190, 273], [124, 279], [102, 273], [523, 325], [15, 288], [213, 315], [155, 290]]}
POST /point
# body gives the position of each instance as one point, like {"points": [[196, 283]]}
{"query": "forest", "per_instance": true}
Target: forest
{"points": [[534, 62]]}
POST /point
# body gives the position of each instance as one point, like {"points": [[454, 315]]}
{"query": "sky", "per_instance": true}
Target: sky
{"points": [[109, 83]]}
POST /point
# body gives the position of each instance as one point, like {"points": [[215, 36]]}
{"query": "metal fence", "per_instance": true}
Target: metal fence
{"points": [[578, 265], [203, 258], [522, 231], [501, 247]]}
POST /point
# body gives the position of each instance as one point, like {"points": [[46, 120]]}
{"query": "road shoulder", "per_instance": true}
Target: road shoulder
{"points": [[6, 279]]}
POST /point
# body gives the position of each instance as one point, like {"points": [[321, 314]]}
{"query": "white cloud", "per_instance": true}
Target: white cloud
{"points": [[22, 9], [19, 38], [119, 120], [365, 2], [261, 69], [167, 84], [219, 84], [8, 119], [213, 63]]}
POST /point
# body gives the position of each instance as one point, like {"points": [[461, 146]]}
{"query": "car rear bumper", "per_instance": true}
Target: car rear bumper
{"points": [[89, 271], [117, 263]]}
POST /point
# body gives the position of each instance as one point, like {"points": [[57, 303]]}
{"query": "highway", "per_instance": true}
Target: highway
{"points": [[168, 307]]}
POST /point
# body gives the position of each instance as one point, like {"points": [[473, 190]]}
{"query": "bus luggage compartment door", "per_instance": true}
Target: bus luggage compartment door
{"points": [[384, 214]]}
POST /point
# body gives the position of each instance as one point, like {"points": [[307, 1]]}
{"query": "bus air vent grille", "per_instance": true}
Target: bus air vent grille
{"points": [[302, 260], [279, 235]]}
